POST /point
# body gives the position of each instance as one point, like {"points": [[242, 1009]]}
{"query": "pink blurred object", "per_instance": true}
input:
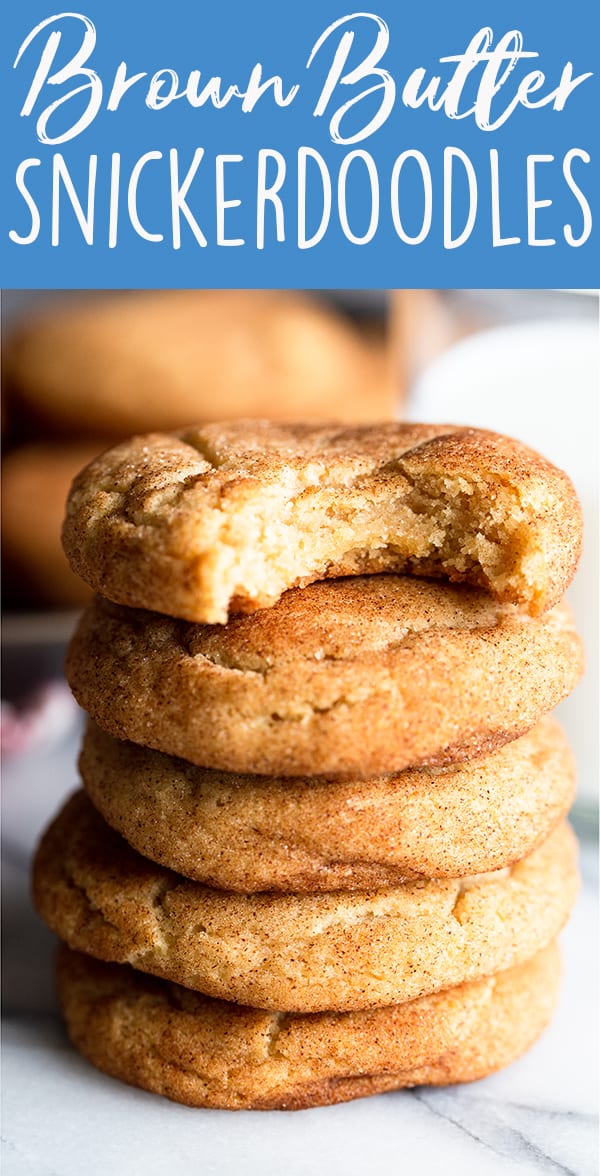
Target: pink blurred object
{"points": [[44, 716]]}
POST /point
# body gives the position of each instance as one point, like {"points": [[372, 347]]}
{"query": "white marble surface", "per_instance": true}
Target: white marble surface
{"points": [[62, 1118]]}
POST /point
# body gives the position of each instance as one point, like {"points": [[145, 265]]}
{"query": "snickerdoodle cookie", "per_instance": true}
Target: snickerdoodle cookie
{"points": [[124, 363], [226, 518], [252, 833], [35, 483], [360, 675], [302, 953], [206, 1053]]}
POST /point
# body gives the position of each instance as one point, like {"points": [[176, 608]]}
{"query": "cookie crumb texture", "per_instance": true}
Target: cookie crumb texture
{"points": [[206, 1053], [296, 953], [227, 517]]}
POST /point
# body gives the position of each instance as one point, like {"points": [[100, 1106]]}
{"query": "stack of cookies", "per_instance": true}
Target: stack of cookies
{"points": [[321, 850]]}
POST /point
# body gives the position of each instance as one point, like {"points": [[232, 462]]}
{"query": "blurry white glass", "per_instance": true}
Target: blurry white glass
{"points": [[535, 378]]}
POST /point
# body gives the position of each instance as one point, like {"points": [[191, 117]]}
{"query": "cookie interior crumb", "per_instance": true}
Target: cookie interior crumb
{"points": [[228, 517], [446, 527]]}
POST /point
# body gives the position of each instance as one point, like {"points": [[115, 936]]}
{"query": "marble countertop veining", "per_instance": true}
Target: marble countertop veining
{"points": [[63, 1118]]}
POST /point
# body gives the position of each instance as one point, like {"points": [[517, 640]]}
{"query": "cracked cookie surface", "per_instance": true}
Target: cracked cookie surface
{"points": [[253, 833], [359, 675], [227, 517], [207, 1053], [285, 952]]}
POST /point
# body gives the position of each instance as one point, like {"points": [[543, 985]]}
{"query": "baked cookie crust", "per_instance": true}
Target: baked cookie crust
{"points": [[156, 359], [355, 676], [206, 1053], [225, 518], [254, 833], [299, 953], [35, 482]]}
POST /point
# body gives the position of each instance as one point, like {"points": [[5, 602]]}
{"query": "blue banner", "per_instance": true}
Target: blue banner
{"points": [[244, 144]]}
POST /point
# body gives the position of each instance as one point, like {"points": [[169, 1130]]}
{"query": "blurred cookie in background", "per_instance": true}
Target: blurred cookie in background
{"points": [[35, 483], [121, 363]]}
